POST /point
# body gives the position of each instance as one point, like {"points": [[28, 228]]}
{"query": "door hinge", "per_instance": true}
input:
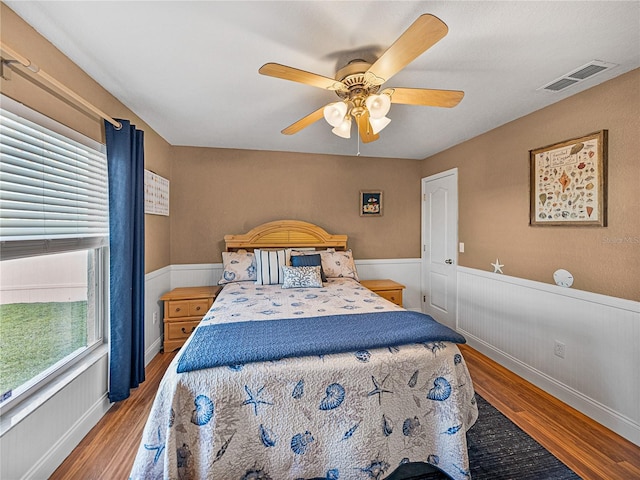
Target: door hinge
{"points": [[424, 299]]}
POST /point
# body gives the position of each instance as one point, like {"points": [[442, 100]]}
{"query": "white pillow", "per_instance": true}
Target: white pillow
{"points": [[269, 265], [238, 266], [301, 277], [339, 264]]}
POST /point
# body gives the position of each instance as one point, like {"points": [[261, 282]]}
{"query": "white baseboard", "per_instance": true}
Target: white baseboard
{"points": [[152, 351]]}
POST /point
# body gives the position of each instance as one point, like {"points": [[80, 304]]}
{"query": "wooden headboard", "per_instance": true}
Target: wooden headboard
{"points": [[285, 234]]}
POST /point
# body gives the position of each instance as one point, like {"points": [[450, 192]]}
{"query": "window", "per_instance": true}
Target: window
{"points": [[53, 249]]}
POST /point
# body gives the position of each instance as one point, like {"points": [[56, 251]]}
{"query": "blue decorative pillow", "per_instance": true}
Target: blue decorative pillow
{"points": [[309, 261], [269, 265], [301, 277]]}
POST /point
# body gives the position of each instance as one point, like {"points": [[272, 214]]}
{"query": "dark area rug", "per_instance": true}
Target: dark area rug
{"points": [[499, 450]]}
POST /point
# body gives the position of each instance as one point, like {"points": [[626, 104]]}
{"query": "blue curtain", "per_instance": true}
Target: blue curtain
{"points": [[125, 159]]}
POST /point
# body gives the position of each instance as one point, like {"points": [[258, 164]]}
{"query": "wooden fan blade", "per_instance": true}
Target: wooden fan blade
{"points": [[425, 96], [418, 38], [364, 127], [300, 76], [304, 122]]}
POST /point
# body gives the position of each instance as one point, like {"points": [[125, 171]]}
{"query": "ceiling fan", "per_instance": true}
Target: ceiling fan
{"points": [[358, 84]]}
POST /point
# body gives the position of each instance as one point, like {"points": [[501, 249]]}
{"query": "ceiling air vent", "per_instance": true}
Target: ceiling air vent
{"points": [[578, 75]]}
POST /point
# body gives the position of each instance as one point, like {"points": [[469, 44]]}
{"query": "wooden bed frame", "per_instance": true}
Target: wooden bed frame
{"points": [[285, 234]]}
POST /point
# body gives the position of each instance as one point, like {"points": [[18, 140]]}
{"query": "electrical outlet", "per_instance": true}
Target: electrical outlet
{"points": [[559, 349], [155, 318]]}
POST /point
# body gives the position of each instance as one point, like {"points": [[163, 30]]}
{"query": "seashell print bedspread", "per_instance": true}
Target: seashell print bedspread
{"points": [[356, 415]]}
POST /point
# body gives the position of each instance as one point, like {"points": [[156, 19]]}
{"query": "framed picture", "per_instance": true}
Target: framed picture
{"points": [[156, 194], [568, 182], [370, 203]]}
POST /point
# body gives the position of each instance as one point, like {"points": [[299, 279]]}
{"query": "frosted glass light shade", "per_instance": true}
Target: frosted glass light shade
{"points": [[344, 129], [378, 105], [334, 113], [377, 124]]}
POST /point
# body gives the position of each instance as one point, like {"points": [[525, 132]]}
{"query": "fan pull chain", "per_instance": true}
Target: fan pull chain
{"points": [[358, 135]]}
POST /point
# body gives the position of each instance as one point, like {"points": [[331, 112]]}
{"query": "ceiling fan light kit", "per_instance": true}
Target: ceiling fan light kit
{"points": [[344, 129], [334, 113], [338, 114], [377, 124], [358, 83], [378, 105]]}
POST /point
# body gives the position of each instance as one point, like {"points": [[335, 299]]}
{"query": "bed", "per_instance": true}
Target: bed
{"points": [[292, 377]]}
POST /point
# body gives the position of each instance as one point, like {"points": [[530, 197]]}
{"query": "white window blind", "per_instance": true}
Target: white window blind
{"points": [[53, 190]]}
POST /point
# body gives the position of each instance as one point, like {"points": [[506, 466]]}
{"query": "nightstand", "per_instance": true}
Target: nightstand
{"points": [[388, 289], [184, 307]]}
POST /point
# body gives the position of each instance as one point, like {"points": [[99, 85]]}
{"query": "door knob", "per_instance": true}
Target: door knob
{"points": [[448, 261]]}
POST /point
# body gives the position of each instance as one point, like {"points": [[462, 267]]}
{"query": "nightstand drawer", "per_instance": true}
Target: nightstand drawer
{"points": [[178, 309], [387, 289], [394, 296], [199, 307], [188, 308], [184, 307], [180, 330]]}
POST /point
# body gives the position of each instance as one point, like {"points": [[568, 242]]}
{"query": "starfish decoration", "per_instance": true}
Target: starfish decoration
{"points": [[376, 469], [254, 399], [497, 267], [158, 447], [378, 390]]}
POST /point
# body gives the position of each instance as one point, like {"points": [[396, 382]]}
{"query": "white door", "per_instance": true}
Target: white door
{"points": [[439, 246]]}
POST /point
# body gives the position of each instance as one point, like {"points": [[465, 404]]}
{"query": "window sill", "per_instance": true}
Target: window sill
{"points": [[16, 414]]}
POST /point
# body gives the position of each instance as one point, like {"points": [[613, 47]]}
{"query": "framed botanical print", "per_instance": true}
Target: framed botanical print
{"points": [[568, 182]]}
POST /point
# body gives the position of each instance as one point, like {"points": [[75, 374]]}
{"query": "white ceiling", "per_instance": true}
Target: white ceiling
{"points": [[190, 69]]}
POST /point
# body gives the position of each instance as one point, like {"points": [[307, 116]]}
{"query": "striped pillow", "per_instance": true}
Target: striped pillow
{"points": [[269, 265]]}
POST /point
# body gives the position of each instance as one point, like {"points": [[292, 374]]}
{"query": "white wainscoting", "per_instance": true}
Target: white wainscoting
{"points": [[156, 283], [403, 270], [517, 322], [38, 436]]}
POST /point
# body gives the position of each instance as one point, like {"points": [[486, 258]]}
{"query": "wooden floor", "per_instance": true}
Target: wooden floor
{"points": [[589, 449]]}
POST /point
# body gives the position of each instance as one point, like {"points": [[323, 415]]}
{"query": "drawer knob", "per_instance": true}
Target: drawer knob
{"points": [[393, 298], [197, 309], [185, 332], [178, 309]]}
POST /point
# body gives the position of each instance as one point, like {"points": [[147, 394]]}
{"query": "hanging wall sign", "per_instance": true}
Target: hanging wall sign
{"points": [[156, 194]]}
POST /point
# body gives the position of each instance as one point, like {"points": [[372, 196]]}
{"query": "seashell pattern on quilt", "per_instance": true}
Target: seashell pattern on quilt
{"points": [[353, 415]]}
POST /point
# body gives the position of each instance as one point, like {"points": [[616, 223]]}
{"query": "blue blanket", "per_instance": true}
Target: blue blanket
{"points": [[238, 343]]}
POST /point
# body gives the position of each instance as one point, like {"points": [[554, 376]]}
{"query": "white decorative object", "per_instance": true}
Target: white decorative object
{"points": [[156, 194], [497, 267], [563, 278]]}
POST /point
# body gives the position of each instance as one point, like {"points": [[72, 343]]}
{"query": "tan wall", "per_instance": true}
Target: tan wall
{"points": [[216, 191], [221, 191], [28, 89], [493, 188]]}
